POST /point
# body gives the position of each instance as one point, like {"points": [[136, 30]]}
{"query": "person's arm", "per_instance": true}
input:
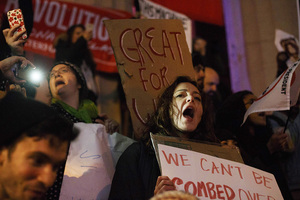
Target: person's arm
{"points": [[14, 41], [7, 64]]}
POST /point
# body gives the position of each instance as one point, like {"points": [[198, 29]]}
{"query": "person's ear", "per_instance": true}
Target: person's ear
{"points": [[79, 86]]}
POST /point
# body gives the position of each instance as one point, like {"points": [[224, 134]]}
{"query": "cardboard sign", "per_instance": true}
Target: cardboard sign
{"points": [[212, 149], [152, 10], [208, 177], [150, 54], [91, 162]]}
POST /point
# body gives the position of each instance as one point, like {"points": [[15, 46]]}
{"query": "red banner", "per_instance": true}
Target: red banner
{"points": [[54, 17]]}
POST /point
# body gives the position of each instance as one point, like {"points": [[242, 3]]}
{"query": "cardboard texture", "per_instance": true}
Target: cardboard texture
{"points": [[150, 54], [212, 149]]}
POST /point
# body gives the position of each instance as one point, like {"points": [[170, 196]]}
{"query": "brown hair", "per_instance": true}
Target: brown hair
{"points": [[161, 122]]}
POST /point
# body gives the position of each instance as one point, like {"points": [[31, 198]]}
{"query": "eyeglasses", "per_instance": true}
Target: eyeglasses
{"points": [[62, 70]]}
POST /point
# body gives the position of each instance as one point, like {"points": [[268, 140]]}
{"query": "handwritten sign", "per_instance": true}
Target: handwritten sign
{"points": [[209, 177], [281, 94], [149, 53], [91, 162], [213, 149]]}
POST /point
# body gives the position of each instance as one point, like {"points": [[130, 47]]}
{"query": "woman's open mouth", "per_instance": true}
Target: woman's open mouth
{"points": [[189, 112]]}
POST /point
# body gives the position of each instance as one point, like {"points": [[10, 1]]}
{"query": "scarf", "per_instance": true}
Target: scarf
{"points": [[86, 112]]}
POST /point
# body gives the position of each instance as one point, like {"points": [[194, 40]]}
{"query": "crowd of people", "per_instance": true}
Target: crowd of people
{"points": [[37, 136]]}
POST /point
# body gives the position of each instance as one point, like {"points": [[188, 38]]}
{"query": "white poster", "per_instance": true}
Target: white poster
{"points": [[209, 177], [281, 94], [91, 163], [152, 10]]}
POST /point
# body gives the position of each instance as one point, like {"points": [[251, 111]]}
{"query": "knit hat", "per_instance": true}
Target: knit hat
{"points": [[79, 76], [18, 114]]}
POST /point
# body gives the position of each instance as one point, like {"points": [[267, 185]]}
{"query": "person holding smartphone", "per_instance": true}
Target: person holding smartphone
{"points": [[13, 44], [72, 46], [7, 75]]}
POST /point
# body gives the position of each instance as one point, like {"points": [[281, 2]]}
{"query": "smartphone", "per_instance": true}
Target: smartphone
{"points": [[15, 17], [31, 75]]}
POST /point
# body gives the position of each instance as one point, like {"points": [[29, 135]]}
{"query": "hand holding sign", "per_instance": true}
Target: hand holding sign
{"points": [[163, 183]]}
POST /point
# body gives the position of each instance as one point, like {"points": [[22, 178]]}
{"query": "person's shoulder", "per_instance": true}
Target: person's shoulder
{"points": [[134, 148], [60, 39]]}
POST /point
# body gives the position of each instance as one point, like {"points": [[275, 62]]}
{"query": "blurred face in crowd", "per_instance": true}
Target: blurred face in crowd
{"points": [[292, 49], [199, 45], [199, 75], [186, 107], [258, 118], [78, 32], [63, 82], [29, 168], [211, 81]]}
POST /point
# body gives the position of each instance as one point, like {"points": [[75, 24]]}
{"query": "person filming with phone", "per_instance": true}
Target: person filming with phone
{"points": [[7, 75], [72, 46]]}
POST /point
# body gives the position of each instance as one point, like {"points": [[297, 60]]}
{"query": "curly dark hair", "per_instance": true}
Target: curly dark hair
{"points": [[161, 121]]}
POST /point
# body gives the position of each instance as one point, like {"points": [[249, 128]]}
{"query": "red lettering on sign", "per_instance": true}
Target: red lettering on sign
{"points": [[183, 161], [187, 187], [214, 168], [170, 158], [210, 188], [138, 38], [228, 170], [201, 164], [178, 46], [201, 187], [219, 192], [156, 80], [261, 179], [139, 51], [229, 192], [177, 181]]}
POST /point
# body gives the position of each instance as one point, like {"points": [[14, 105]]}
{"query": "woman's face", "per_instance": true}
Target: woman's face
{"points": [[187, 108], [199, 44], [291, 49], [257, 118], [78, 32], [63, 82]]}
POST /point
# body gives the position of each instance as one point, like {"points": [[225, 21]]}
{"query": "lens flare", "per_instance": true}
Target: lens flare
{"points": [[36, 76]]}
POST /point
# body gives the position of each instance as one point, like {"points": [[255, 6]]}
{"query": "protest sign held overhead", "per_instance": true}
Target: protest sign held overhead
{"points": [[281, 94], [209, 177], [149, 54]]}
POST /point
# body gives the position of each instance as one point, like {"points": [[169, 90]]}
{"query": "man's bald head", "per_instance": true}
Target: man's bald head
{"points": [[211, 81]]}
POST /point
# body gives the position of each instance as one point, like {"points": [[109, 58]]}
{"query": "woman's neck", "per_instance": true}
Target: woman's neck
{"points": [[178, 133], [71, 101]]}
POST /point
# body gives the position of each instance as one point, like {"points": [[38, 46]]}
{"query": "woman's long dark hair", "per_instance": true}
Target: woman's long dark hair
{"points": [[71, 30], [161, 121]]}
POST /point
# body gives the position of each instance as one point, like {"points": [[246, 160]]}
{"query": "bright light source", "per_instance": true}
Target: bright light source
{"points": [[36, 76]]}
